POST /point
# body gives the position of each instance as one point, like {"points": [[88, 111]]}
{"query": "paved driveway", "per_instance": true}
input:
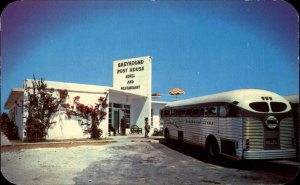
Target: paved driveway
{"points": [[135, 162]]}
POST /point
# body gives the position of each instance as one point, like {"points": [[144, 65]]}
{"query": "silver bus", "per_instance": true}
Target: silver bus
{"points": [[241, 124]]}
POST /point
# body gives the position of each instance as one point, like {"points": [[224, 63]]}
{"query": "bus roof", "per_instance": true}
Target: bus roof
{"points": [[241, 97]]}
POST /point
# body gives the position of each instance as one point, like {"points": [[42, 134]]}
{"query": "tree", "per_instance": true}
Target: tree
{"points": [[41, 105]]}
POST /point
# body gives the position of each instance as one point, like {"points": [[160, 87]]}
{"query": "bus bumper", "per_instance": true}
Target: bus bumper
{"points": [[270, 154]]}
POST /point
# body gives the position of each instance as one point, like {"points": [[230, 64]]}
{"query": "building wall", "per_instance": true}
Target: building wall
{"points": [[156, 113], [16, 115], [140, 110], [70, 128]]}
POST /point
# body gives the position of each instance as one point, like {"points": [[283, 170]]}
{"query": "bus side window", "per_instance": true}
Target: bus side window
{"points": [[205, 111], [201, 113], [212, 111], [222, 111], [189, 112], [165, 113], [233, 111], [182, 112], [195, 112]]}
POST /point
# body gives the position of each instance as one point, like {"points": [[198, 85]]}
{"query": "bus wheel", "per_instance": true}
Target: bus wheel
{"points": [[212, 148]]}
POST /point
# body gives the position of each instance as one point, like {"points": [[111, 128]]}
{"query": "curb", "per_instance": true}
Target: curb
{"points": [[110, 140]]}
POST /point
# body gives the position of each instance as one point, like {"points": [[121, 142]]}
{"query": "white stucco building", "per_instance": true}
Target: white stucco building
{"points": [[130, 95]]}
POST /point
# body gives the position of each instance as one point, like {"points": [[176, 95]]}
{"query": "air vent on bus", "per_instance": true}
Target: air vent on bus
{"points": [[235, 102], [266, 98]]}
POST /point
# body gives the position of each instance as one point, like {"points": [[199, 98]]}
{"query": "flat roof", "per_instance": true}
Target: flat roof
{"points": [[15, 93], [120, 92], [73, 87]]}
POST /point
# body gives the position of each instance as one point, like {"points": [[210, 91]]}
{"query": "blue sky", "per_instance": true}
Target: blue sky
{"points": [[203, 47]]}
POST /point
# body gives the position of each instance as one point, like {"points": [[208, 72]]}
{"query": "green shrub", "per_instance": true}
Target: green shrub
{"points": [[9, 128]]}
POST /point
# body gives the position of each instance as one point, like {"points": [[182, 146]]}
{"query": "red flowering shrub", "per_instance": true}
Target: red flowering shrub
{"points": [[63, 94], [76, 98], [65, 105], [41, 105], [104, 105], [69, 113], [92, 115], [101, 98]]}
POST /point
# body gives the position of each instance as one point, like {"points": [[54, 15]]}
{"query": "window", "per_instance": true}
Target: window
{"points": [[201, 113], [205, 109], [278, 106], [116, 105], [172, 112], [212, 111], [189, 112], [195, 112], [127, 106], [177, 112], [259, 106], [182, 112], [233, 111], [168, 112], [127, 114], [222, 111]]}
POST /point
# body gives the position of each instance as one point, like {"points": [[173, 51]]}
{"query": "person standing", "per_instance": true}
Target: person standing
{"points": [[123, 125], [147, 129]]}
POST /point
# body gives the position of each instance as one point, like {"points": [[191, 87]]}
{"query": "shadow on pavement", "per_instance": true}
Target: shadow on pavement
{"points": [[278, 167]]}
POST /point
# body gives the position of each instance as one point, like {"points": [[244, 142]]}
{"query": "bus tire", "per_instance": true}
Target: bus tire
{"points": [[212, 148]]}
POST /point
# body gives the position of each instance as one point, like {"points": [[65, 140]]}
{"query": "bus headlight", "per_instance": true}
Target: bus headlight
{"points": [[271, 122]]}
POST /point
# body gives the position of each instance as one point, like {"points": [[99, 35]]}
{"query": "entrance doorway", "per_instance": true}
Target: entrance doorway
{"points": [[116, 112]]}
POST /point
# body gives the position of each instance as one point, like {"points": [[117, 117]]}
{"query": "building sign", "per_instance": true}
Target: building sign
{"points": [[133, 75]]}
